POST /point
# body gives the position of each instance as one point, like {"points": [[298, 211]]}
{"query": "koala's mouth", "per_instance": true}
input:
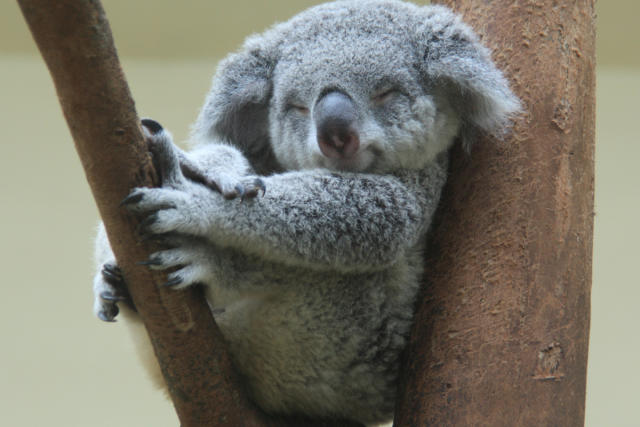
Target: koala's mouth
{"points": [[364, 160]]}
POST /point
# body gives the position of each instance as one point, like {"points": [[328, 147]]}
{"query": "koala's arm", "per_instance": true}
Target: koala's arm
{"points": [[321, 218], [315, 218]]}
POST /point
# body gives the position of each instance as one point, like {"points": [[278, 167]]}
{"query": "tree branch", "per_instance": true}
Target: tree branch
{"points": [[501, 335]]}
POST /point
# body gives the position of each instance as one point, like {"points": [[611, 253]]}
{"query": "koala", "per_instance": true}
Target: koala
{"points": [[303, 206]]}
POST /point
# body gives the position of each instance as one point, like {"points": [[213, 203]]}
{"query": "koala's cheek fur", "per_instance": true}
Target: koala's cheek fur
{"points": [[427, 130], [295, 134]]}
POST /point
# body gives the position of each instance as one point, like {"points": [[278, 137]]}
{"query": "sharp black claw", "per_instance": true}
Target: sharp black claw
{"points": [[132, 199], [108, 296], [172, 282], [257, 187], [112, 269], [150, 261], [153, 126], [260, 184], [105, 317], [112, 276], [145, 223]]}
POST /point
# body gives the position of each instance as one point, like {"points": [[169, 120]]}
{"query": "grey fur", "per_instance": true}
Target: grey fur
{"points": [[314, 282]]}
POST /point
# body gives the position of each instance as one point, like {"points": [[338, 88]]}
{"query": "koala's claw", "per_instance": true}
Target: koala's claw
{"points": [[173, 282], [255, 188], [109, 316], [150, 261], [108, 296], [143, 226], [112, 290], [247, 191], [113, 275], [108, 308], [132, 198], [188, 261], [151, 125]]}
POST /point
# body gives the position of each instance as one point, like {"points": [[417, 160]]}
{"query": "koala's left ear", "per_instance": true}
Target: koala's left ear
{"points": [[453, 58], [236, 108]]}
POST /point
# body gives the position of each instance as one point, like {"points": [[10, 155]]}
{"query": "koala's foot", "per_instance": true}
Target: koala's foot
{"points": [[109, 290]]}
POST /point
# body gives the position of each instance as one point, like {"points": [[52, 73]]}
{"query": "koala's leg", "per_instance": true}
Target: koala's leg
{"points": [[109, 288], [111, 298]]}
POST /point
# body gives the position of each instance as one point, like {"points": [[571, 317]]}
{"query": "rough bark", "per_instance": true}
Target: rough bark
{"points": [[501, 335], [75, 40]]}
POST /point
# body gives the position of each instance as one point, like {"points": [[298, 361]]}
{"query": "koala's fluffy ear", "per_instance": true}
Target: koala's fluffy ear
{"points": [[453, 58], [236, 108]]}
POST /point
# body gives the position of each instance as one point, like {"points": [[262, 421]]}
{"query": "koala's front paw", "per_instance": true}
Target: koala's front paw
{"points": [[229, 185], [175, 166], [170, 210], [192, 260], [109, 289]]}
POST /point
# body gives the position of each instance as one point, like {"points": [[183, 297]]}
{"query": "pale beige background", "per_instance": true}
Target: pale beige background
{"points": [[61, 367]]}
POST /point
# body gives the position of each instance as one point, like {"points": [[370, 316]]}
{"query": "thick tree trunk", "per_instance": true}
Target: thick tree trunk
{"points": [[75, 40], [501, 335]]}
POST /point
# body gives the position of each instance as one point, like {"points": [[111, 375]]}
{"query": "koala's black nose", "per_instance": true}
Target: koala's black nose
{"points": [[335, 116]]}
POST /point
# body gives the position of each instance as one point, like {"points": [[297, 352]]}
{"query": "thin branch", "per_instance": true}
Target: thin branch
{"points": [[501, 335]]}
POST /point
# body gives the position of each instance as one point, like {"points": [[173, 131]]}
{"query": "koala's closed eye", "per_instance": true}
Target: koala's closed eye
{"points": [[385, 95], [297, 108]]}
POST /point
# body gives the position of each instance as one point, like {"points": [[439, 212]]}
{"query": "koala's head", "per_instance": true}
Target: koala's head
{"points": [[366, 86]]}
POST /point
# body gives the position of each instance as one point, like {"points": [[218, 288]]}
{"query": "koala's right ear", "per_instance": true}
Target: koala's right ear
{"points": [[236, 108], [454, 59]]}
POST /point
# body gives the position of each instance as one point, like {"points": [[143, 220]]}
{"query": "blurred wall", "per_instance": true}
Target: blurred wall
{"points": [[205, 28], [61, 367]]}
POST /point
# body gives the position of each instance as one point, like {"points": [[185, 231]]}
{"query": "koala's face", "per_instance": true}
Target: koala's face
{"points": [[356, 85], [349, 96]]}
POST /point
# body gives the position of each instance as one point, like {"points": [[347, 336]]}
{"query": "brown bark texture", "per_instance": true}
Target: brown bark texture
{"points": [[75, 40], [501, 334]]}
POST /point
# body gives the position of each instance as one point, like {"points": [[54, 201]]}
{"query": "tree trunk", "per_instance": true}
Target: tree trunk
{"points": [[75, 40], [501, 334]]}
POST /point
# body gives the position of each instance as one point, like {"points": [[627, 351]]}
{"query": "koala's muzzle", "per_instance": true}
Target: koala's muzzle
{"points": [[335, 116]]}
